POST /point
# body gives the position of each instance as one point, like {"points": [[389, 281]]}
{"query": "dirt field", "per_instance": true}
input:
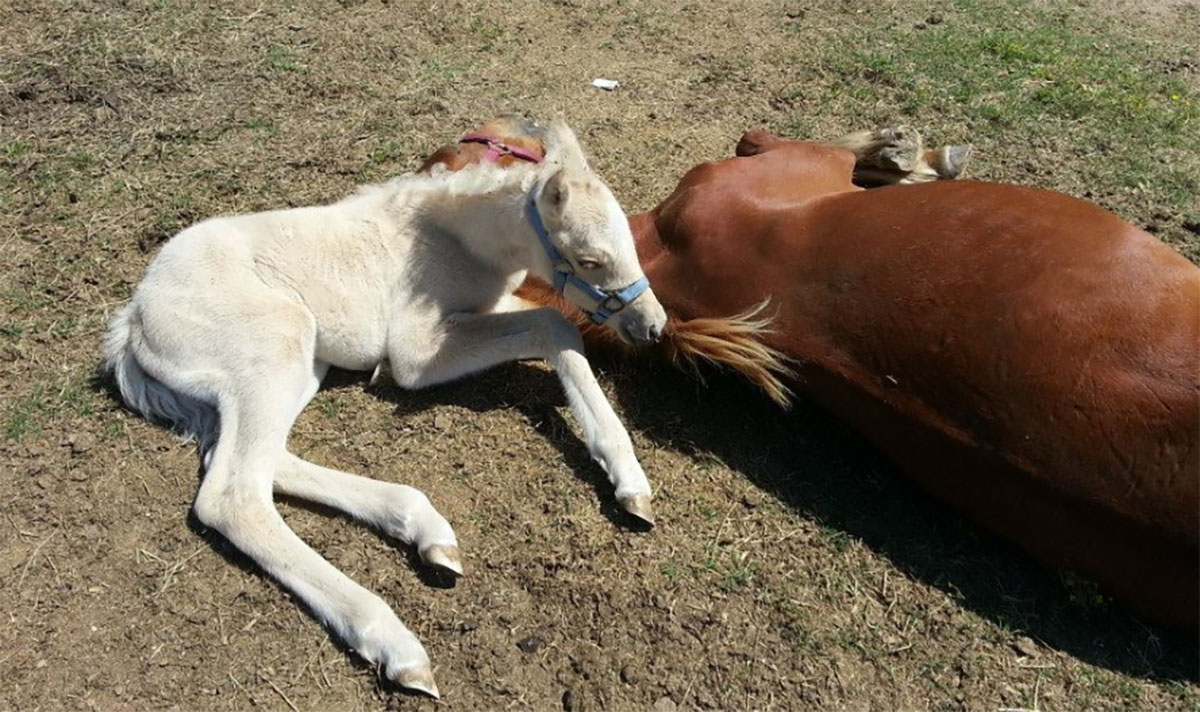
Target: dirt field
{"points": [[791, 568]]}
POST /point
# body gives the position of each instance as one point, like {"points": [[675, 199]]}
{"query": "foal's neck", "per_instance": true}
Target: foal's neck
{"points": [[491, 225]]}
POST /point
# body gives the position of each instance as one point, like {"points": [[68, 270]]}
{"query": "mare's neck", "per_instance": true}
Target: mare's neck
{"points": [[646, 238]]}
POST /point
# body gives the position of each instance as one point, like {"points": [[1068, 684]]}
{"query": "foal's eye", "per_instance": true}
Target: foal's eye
{"points": [[589, 264]]}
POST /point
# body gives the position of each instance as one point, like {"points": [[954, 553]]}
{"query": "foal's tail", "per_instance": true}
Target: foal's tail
{"points": [[191, 417], [734, 342]]}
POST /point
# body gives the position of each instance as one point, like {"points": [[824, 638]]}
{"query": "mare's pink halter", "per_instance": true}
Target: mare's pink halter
{"points": [[498, 148]]}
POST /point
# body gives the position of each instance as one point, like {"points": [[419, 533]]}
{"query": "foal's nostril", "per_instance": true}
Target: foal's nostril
{"points": [[655, 332]]}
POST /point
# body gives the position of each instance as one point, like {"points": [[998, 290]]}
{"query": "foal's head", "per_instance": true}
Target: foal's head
{"points": [[589, 253]]}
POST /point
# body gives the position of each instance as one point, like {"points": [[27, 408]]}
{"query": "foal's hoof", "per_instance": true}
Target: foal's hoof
{"points": [[639, 506], [381, 376], [419, 679], [445, 558]]}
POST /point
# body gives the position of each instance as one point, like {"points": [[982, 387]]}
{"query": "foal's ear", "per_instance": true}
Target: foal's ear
{"points": [[556, 189]]}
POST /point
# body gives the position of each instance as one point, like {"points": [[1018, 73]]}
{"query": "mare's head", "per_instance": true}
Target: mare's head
{"points": [[506, 141], [586, 248]]}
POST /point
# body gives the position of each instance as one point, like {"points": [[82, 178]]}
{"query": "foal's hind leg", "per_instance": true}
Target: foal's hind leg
{"points": [[399, 511], [257, 411]]}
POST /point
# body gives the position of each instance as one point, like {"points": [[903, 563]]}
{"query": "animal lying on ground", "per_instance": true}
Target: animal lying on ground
{"points": [[237, 320], [1027, 357]]}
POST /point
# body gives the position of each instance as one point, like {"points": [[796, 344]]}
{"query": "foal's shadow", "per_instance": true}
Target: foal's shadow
{"points": [[830, 475], [533, 392]]}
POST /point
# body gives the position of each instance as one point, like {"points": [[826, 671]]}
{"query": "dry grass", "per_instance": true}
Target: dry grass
{"points": [[790, 570]]}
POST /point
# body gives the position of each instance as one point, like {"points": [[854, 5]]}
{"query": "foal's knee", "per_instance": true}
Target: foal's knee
{"points": [[558, 333], [224, 507]]}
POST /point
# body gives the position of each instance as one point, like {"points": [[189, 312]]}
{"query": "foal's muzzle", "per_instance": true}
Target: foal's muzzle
{"points": [[643, 323], [643, 335], [603, 302]]}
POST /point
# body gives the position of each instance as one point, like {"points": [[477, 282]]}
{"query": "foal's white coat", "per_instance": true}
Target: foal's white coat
{"points": [[238, 318]]}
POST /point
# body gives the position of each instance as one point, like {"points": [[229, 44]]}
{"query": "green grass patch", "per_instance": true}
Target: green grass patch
{"points": [[1023, 71], [12, 150], [284, 59], [257, 123], [27, 415], [737, 573], [23, 302], [1030, 66], [840, 541], [78, 396], [389, 150]]}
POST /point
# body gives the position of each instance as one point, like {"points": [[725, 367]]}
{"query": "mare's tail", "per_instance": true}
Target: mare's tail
{"points": [[733, 342]]}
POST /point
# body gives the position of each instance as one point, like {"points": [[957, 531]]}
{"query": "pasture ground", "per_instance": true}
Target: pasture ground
{"points": [[791, 568]]}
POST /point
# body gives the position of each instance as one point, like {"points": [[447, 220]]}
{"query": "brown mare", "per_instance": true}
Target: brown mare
{"points": [[1029, 358]]}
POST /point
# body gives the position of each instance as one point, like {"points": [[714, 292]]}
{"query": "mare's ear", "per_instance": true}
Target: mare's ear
{"points": [[753, 143], [448, 157]]}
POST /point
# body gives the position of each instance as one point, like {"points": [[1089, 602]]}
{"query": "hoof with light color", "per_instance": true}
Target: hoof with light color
{"points": [[639, 506], [418, 679], [445, 558]]}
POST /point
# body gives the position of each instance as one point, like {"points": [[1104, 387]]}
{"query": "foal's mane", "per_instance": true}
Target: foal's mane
{"points": [[561, 149], [476, 179]]}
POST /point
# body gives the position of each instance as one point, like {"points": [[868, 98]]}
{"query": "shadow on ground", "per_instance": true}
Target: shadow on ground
{"points": [[824, 472], [828, 474]]}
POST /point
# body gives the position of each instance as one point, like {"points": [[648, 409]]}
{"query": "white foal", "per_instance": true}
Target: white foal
{"points": [[238, 318]]}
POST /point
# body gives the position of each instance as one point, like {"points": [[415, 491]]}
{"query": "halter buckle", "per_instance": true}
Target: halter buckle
{"points": [[610, 299]]}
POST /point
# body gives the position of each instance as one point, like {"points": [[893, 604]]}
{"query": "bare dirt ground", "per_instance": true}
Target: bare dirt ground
{"points": [[791, 569]]}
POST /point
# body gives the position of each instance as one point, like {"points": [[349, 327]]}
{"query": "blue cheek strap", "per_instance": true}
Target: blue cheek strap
{"points": [[606, 302]]}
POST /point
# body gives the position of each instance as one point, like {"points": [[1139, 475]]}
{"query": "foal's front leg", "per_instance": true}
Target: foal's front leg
{"points": [[469, 343]]}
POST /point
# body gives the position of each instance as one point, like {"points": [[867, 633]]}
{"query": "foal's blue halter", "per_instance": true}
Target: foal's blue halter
{"points": [[607, 301]]}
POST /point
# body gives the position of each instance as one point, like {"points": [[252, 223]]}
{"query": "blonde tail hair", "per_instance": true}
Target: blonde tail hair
{"points": [[733, 342]]}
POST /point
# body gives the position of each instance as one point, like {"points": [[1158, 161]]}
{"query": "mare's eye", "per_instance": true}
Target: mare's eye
{"points": [[589, 264]]}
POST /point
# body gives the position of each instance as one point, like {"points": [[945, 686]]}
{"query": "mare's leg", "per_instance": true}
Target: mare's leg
{"points": [[470, 343], [264, 380], [947, 162], [897, 155]]}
